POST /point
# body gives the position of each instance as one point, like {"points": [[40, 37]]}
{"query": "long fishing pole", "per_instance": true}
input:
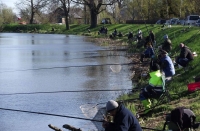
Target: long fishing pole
{"points": [[95, 57], [50, 114], [65, 92], [73, 66]]}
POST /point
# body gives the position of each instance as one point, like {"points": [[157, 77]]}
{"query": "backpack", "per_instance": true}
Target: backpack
{"points": [[182, 117]]}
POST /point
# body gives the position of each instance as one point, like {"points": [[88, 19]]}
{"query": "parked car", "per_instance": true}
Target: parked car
{"points": [[173, 21], [106, 21], [167, 22], [197, 22], [161, 21], [191, 19], [181, 22]]}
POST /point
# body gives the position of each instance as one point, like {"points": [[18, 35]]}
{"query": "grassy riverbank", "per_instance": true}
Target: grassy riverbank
{"points": [[188, 35]]}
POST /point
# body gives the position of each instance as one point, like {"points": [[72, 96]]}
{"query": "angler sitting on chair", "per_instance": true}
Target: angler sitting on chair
{"points": [[154, 90], [148, 53]]}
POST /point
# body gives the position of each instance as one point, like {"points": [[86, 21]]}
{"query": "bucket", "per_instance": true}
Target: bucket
{"points": [[193, 86], [194, 54]]}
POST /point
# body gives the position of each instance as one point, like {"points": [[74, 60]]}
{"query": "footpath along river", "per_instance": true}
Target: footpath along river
{"points": [[50, 74]]}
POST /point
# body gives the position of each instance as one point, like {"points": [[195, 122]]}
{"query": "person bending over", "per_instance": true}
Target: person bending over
{"points": [[123, 119]]}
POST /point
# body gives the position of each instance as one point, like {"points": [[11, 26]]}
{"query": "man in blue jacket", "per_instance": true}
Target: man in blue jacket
{"points": [[148, 53], [167, 65], [123, 119]]}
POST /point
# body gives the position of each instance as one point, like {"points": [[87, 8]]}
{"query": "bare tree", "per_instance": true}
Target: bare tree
{"points": [[66, 8], [34, 6], [95, 7]]}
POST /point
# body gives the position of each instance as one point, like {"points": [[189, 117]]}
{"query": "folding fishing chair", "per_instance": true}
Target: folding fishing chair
{"points": [[156, 101], [165, 96]]}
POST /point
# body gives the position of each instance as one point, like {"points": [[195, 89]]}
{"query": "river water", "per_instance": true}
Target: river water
{"points": [[50, 74]]}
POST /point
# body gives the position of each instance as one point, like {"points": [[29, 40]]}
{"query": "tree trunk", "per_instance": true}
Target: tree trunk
{"points": [[67, 22], [93, 18], [32, 15], [66, 11], [32, 12]]}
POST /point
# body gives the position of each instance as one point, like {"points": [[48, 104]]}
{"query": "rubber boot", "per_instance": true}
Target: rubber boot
{"points": [[147, 105]]}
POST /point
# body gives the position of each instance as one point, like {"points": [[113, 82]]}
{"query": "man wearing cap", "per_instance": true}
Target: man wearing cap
{"points": [[123, 119], [167, 44], [185, 56]]}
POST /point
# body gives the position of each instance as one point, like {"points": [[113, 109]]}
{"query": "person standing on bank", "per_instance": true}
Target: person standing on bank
{"points": [[167, 44], [139, 35], [152, 37], [123, 119]]}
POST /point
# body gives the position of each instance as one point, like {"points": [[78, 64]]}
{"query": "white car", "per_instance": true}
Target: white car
{"points": [[191, 19]]}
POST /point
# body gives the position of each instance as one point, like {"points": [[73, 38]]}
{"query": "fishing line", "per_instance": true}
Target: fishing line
{"points": [[64, 92], [61, 67], [95, 57], [50, 114], [159, 103]]}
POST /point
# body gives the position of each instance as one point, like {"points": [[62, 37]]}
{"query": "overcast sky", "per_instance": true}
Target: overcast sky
{"points": [[10, 3]]}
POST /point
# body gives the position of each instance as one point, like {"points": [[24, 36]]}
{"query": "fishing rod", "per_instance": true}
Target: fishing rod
{"points": [[27, 93], [95, 57], [61, 67], [50, 114]]}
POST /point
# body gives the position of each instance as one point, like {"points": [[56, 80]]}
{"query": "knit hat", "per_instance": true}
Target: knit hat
{"points": [[165, 36], [111, 105]]}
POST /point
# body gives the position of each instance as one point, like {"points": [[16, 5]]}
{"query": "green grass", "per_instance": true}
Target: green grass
{"points": [[190, 36]]}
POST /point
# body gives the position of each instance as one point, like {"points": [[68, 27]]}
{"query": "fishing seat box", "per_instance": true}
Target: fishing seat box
{"points": [[193, 86]]}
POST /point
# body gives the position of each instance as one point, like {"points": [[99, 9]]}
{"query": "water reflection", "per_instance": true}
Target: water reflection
{"points": [[51, 63]]}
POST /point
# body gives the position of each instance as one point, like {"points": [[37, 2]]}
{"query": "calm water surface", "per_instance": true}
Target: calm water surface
{"points": [[32, 63]]}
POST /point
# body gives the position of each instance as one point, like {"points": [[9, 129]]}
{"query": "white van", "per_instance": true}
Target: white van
{"points": [[191, 19]]}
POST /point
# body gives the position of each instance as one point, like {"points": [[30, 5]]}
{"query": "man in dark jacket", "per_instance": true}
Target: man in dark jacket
{"points": [[152, 36], [181, 118], [123, 119], [167, 44], [185, 56], [130, 36]]}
